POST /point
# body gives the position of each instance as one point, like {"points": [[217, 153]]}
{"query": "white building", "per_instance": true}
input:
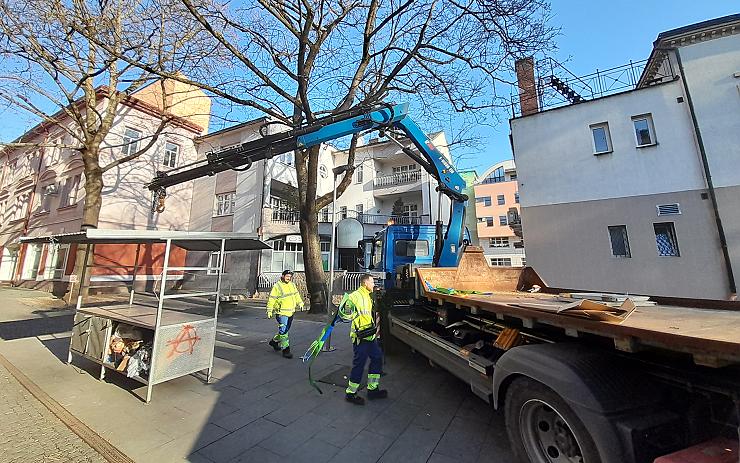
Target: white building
{"points": [[388, 187], [639, 191]]}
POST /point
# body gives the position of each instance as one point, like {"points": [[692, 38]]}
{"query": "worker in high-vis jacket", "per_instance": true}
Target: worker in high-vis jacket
{"points": [[283, 300], [364, 335]]}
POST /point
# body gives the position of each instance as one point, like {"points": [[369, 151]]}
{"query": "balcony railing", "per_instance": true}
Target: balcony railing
{"points": [[378, 219], [285, 216], [401, 178]]}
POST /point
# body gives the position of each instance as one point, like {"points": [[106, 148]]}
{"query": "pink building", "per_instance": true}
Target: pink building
{"points": [[42, 188], [497, 191]]}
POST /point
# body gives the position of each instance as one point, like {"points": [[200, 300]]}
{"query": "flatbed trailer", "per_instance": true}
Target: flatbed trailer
{"points": [[628, 387]]}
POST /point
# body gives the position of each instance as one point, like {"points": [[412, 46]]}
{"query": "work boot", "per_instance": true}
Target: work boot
{"points": [[287, 354], [274, 345], [373, 394], [354, 399]]}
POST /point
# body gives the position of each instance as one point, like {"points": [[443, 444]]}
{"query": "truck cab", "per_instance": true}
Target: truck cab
{"points": [[396, 250]]}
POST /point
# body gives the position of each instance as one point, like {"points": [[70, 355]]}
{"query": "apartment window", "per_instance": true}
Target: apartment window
{"points": [[342, 212], [45, 198], [70, 190], [410, 213], [358, 174], [497, 176], [324, 215], [503, 220], [225, 204], [53, 152], [501, 200], [171, 151], [644, 131], [500, 242], [601, 137], [516, 197], [485, 200], [619, 242], [501, 261], [665, 239], [512, 177], [325, 246], [56, 261], [360, 209], [411, 248], [287, 256], [130, 143], [213, 263], [489, 221], [402, 169], [325, 254], [31, 262]]}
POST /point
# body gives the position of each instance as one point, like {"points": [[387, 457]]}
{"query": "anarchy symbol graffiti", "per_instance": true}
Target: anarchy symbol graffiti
{"points": [[184, 342]]}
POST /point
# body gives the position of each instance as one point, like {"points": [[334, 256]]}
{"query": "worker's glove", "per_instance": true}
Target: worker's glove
{"points": [[269, 313]]}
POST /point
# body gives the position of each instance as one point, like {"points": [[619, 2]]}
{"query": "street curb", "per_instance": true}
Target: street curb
{"points": [[90, 437]]}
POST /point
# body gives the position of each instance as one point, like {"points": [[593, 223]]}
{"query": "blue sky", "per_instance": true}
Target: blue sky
{"points": [[594, 35], [604, 35]]}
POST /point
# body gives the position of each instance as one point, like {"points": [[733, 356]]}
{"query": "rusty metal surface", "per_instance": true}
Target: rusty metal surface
{"points": [[681, 329]]}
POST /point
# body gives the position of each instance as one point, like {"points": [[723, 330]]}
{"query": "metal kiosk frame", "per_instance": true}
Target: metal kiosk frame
{"points": [[183, 342]]}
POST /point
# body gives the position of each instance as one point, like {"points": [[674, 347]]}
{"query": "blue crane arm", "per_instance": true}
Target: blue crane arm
{"points": [[448, 247]]}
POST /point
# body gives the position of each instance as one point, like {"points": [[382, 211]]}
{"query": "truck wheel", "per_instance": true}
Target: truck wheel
{"points": [[542, 428]]}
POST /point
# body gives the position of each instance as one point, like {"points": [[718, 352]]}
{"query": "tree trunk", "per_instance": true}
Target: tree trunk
{"points": [[315, 277], [90, 215]]}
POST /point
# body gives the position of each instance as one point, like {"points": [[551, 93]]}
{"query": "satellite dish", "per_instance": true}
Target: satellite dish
{"points": [[349, 232]]}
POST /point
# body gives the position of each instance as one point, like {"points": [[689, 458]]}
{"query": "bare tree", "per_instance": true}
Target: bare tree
{"points": [[63, 80], [297, 60]]}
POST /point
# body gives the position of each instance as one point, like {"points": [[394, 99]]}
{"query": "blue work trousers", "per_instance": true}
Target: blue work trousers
{"points": [[362, 351], [283, 327]]}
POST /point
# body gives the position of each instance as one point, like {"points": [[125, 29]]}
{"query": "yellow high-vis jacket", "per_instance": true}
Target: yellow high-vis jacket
{"points": [[362, 303], [284, 299]]}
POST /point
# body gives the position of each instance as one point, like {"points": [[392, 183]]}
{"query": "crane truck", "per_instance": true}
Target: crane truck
{"points": [[580, 377]]}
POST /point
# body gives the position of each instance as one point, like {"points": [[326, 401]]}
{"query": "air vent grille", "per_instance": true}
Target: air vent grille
{"points": [[668, 209]]}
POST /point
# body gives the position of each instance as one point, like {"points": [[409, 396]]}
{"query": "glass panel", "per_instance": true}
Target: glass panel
{"points": [[665, 239], [601, 143], [411, 248], [642, 130], [619, 241]]}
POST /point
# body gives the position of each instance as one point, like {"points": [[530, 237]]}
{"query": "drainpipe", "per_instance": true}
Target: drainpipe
{"points": [[708, 175]]}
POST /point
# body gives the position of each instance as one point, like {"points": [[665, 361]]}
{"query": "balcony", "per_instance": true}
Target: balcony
{"points": [[401, 178], [378, 219]]}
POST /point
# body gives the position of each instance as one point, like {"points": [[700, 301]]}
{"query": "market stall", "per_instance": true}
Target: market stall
{"points": [[160, 338]]}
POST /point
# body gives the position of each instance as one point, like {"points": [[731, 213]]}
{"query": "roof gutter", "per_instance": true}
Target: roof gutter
{"points": [[708, 176]]}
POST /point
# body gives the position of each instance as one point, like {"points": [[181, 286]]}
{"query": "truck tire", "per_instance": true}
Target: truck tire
{"points": [[542, 428]]}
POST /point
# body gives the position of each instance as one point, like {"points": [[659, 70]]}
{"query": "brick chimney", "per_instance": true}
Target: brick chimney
{"points": [[528, 101]]}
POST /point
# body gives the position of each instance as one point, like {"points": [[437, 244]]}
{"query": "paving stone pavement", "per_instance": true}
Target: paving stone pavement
{"points": [[261, 408], [30, 432]]}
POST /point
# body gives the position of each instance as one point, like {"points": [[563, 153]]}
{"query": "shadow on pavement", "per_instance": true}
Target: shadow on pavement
{"points": [[18, 329]]}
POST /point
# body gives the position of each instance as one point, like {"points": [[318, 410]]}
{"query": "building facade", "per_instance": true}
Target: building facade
{"points": [[388, 187], [42, 190], [639, 191], [496, 193], [261, 199]]}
